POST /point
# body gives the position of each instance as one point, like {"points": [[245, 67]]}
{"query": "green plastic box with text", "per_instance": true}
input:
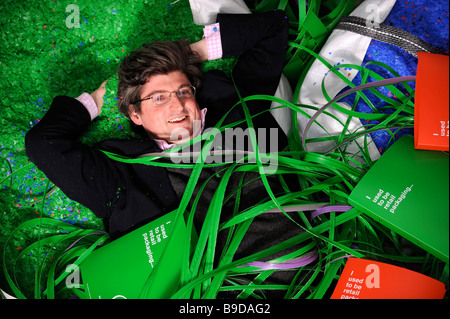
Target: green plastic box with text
{"points": [[121, 268], [407, 190]]}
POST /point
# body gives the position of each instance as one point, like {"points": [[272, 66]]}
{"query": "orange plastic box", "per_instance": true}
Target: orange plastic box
{"points": [[367, 279], [431, 118]]}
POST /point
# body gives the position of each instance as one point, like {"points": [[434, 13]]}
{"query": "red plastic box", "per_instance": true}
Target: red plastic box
{"points": [[431, 118]]}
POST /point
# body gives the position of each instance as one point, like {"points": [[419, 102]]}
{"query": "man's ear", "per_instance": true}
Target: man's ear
{"points": [[134, 116]]}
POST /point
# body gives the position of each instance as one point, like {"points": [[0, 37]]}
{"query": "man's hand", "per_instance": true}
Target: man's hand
{"points": [[98, 94], [201, 48]]}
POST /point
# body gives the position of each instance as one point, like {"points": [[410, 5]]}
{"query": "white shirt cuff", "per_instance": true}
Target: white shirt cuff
{"points": [[89, 103], [213, 41]]}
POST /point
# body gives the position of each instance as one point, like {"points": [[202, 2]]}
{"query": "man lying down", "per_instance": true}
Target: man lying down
{"points": [[163, 92]]}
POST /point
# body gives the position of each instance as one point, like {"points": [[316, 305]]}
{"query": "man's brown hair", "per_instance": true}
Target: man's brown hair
{"points": [[161, 57]]}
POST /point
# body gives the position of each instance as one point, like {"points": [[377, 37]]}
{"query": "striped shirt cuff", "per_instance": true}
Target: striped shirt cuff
{"points": [[89, 103], [213, 41]]}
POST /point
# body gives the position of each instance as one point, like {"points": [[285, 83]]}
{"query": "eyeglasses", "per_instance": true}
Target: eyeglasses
{"points": [[160, 98]]}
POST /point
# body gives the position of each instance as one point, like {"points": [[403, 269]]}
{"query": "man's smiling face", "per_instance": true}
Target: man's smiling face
{"points": [[176, 121]]}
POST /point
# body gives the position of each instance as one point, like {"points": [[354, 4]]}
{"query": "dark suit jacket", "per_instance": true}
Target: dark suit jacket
{"points": [[127, 196]]}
